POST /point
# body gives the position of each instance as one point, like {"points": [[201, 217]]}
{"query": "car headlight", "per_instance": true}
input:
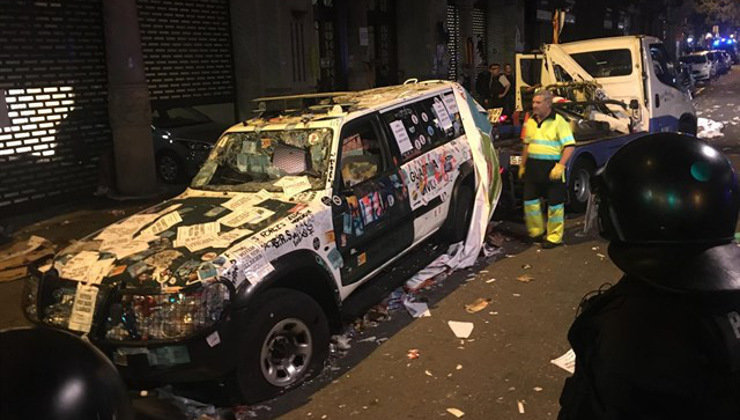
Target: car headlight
{"points": [[29, 300], [167, 316]]}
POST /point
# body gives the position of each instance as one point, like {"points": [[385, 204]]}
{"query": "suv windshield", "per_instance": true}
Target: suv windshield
{"points": [[694, 59], [251, 161]]}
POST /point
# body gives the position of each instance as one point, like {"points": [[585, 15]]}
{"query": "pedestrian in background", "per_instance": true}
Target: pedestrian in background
{"points": [[499, 86], [548, 142], [664, 342], [510, 94]]}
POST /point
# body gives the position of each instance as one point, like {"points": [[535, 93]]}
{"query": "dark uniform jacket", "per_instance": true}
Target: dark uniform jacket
{"points": [[646, 352]]}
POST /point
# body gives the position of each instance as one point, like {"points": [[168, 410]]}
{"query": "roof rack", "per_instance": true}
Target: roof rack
{"points": [[294, 105]]}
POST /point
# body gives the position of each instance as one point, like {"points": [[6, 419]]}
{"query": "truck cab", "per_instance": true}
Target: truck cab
{"points": [[635, 71]]}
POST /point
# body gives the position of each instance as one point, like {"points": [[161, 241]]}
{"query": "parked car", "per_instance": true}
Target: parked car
{"points": [[719, 61], [250, 269], [702, 67], [183, 137], [727, 59]]}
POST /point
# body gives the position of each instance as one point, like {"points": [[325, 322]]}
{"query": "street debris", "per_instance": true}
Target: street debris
{"points": [[520, 405], [477, 305], [413, 354], [416, 309], [709, 129], [602, 256], [526, 266], [524, 278], [458, 367], [537, 389], [490, 280], [367, 339], [428, 373], [567, 361], [461, 329], [455, 412], [14, 260], [340, 342]]}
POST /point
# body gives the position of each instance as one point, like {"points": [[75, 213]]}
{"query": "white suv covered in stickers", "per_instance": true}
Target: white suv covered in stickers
{"points": [[249, 271]]}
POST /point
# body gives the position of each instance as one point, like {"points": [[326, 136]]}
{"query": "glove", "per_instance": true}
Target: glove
{"points": [[521, 171], [558, 172]]}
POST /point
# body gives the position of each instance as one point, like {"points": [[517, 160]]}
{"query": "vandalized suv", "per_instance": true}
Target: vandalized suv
{"points": [[248, 272]]}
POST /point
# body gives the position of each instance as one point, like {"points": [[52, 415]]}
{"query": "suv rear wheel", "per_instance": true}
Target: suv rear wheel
{"points": [[460, 213], [286, 341]]}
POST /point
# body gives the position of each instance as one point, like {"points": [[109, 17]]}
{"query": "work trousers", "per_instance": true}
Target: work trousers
{"points": [[537, 184]]}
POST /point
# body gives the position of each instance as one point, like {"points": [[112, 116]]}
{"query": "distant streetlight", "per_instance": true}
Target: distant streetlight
{"points": [[690, 40]]}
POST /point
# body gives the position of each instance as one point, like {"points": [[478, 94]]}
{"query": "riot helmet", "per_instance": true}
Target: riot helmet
{"points": [[668, 188], [668, 204], [51, 374]]}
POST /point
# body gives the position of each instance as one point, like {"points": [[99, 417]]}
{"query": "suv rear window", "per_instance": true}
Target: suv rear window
{"points": [[608, 63], [420, 126]]}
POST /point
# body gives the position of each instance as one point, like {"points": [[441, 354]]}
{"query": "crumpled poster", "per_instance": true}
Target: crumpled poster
{"points": [[487, 194]]}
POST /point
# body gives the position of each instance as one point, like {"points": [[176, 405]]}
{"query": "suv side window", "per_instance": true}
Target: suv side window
{"points": [[421, 126], [361, 157]]}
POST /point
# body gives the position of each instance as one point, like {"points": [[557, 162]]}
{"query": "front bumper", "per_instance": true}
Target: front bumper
{"points": [[205, 357], [204, 353]]}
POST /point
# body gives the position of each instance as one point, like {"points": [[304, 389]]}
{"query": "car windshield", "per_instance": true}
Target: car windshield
{"points": [[693, 59], [270, 159], [177, 117]]}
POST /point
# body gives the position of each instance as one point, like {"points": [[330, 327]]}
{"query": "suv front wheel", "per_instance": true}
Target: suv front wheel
{"points": [[286, 340]]}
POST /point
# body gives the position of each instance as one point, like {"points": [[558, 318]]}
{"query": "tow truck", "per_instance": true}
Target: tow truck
{"points": [[612, 90]]}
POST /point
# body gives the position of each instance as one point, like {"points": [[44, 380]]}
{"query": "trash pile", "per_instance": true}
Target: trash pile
{"points": [[14, 261], [709, 129]]}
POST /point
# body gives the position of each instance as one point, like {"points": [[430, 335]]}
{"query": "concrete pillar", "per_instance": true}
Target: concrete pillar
{"points": [[422, 43], [129, 109]]}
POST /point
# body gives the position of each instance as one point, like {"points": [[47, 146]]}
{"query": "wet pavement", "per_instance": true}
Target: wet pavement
{"points": [[502, 371]]}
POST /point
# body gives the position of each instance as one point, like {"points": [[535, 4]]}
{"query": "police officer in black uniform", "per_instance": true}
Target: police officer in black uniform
{"points": [[664, 342]]}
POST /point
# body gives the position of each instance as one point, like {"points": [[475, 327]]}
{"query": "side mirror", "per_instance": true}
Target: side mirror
{"points": [[634, 104]]}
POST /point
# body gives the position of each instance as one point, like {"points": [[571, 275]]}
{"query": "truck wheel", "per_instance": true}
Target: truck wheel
{"points": [[458, 219], [284, 342], [579, 185], [687, 125]]}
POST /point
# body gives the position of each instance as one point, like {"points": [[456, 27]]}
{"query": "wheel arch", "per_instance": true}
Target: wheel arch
{"points": [[303, 271]]}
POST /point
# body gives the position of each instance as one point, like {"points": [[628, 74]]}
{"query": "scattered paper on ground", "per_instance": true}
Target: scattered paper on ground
{"points": [[566, 361], [413, 354], [709, 129], [477, 305], [417, 309], [455, 412], [525, 278], [461, 329], [520, 405]]}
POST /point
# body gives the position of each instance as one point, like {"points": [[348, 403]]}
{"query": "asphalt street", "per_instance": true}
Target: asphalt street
{"points": [[502, 371]]}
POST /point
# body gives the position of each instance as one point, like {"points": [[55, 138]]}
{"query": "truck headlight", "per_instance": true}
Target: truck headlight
{"points": [[167, 316]]}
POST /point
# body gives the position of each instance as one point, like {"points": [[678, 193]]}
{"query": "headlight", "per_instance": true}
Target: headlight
{"points": [[167, 316], [29, 299]]}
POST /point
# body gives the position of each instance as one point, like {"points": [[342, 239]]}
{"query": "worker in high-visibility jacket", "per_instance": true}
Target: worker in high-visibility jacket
{"points": [[548, 144]]}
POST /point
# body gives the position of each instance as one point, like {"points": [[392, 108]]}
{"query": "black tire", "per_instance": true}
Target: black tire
{"points": [[579, 185], [458, 219], [687, 125], [170, 168], [278, 314]]}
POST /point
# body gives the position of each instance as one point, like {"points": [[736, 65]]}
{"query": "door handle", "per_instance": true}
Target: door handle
{"points": [[657, 100]]}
